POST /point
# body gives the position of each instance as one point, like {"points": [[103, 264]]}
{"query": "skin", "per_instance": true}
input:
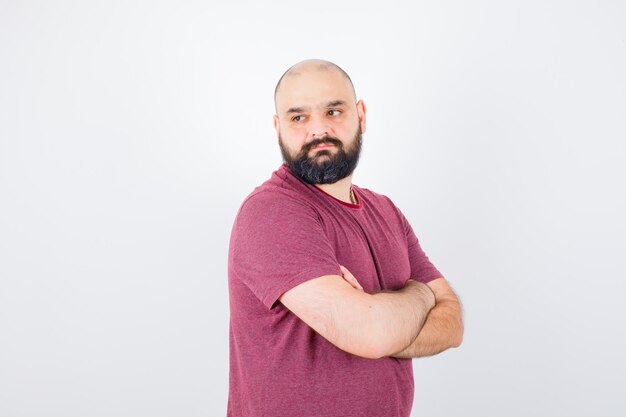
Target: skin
{"points": [[443, 328], [307, 108], [314, 88]]}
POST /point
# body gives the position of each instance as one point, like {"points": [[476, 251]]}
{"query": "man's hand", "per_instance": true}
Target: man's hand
{"points": [[368, 325], [347, 275], [443, 328], [350, 279]]}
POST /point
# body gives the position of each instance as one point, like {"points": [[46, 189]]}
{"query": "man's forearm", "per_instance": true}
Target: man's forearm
{"points": [[442, 329], [367, 325], [395, 318]]}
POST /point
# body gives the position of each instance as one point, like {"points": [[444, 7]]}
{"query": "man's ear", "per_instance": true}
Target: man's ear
{"points": [[361, 109], [277, 126]]}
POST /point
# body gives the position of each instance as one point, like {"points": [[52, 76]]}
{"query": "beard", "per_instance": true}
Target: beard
{"points": [[323, 167]]}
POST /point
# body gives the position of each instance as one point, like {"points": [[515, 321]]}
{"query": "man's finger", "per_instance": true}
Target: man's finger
{"points": [[347, 275]]}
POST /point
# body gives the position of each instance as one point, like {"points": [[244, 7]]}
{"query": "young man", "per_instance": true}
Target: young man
{"points": [[330, 292]]}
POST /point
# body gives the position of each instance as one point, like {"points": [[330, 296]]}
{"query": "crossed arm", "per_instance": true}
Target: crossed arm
{"points": [[443, 328], [418, 320]]}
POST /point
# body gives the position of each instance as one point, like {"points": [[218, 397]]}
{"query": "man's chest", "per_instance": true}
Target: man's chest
{"points": [[371, 244]]}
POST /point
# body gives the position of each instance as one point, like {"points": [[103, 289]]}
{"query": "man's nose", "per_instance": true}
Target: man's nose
{"points": [[318, 128]]}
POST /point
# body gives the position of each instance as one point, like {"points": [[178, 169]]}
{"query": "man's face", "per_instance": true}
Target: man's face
{"points": [[324, 160], [319, 125]]}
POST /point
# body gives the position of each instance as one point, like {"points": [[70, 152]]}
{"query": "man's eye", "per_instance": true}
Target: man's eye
{"points": [[330, 112], [297, 118]]}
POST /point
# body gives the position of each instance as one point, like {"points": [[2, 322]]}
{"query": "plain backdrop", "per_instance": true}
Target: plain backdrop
{"points": [[130, 132]]}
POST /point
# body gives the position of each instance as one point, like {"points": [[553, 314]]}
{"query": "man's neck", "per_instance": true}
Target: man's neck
{"points": [[340, 190]]}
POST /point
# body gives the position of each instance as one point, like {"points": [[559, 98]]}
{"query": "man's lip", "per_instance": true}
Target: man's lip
{"points": [[324, 146]]}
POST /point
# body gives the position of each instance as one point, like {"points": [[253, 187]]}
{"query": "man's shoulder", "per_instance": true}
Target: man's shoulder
{"points": [[374, 197], [280, 192], [271, 196]]}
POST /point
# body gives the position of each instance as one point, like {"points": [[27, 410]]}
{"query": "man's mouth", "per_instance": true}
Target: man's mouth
{"points": [[324, 146]]}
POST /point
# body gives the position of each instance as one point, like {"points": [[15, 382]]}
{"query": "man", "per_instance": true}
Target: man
{"points": [[330, 292]]}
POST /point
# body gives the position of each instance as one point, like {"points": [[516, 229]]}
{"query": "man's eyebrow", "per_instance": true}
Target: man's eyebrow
{"points": [[296, 109], [333, 103]]}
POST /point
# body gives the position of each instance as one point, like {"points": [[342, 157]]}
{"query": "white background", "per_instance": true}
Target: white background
{"points": [[130, 132]]}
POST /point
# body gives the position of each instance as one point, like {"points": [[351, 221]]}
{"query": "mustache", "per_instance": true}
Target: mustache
{"points": [[316, 142]]}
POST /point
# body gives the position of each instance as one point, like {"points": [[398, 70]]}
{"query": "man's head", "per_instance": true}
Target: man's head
{"points": [[318, 121]]}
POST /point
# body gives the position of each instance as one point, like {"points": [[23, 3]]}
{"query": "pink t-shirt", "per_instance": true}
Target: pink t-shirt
{"points": [[288, 232]]}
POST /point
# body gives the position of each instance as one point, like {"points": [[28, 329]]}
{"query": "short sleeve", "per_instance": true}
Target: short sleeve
{"points": [[278, 243], [421, 268]]}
